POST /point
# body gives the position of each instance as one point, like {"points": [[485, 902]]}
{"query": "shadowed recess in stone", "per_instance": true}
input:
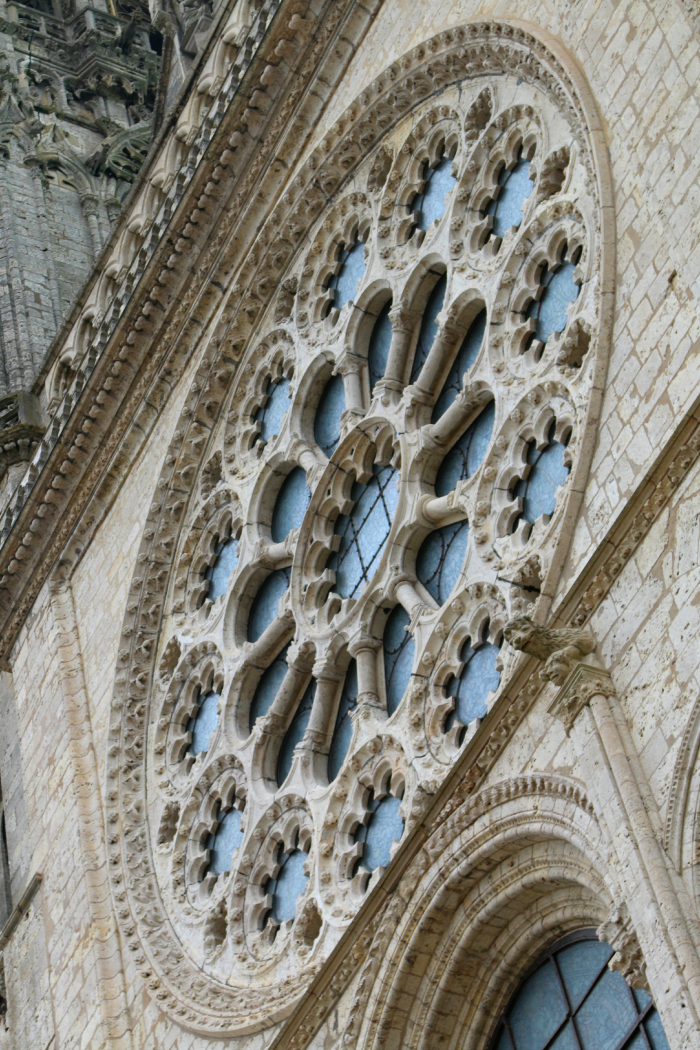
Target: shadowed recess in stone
{"points": [[364, 531], [466, 356], [330, 408], [550, 310], [352, 270], [547, 472], [271, 412], [342, 733], [218, 574], [290, 505], [428, 327], [515, 188], [399, 650], [440, 559], [203, 722], [477, 678], [467, 454], [383, 828], [268, 688], [288, 886], [265, 605], [572, 1001], [379, 344], [222, 843], [429, 204], [295, 733]]}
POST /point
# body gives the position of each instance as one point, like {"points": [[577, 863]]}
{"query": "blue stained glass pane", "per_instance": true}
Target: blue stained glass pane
{"points": [[288, 886], [364, 532], [440, 559], [655, 1031], [227, 838], [399, 650], [466, 356], [268, 688], [351, 272], [271, 412], [566, 1040], [266, 603], [550, 309], [430, 203], [330, 409], [291, 504], [342, 733], [479, 676], [504, 1042], [606, 1014], [641, 997], [538, 1011], [428, 327], [383, 828], [637, 1043], [547, 473], [579, 965], [466, 455], [515, 188], [379, 344], [221, 571], [295, 733], [203, 722]]}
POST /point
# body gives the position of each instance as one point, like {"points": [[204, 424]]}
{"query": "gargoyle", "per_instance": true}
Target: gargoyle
{"points": [[561, 648]]}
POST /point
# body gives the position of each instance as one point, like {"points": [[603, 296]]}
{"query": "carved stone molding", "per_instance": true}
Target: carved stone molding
{"points": [[628, 959]]}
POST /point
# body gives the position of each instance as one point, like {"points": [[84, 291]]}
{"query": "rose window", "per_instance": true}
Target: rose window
{"points": [[385, 483]]}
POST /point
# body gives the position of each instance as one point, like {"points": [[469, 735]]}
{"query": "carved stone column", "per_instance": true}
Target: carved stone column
{"points": [[447, 338], [364, 650], [403, 323], [350, 368]]}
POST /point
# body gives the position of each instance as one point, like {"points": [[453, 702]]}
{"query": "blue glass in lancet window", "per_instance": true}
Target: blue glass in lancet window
{"points": [[429, 204], [428, 327], [222, 843], [383, 828], [271, 412], [268, 688], [466, 356], [203, 722], [466, 455], [290, 883], [440, 559], [515, 188], [290, 505], [549, 311], [364, 531], [220, 572], [351, 272], [379, 344], [266, 602], [330, 408], [547, 472], [572, 1001], [342, 733], [477, 679], [399, 650], [295, 733]]}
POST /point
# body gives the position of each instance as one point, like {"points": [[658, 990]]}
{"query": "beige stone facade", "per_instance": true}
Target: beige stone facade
{"points": [[562, 795]]}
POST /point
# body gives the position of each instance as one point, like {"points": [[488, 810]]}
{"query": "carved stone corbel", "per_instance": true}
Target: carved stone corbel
{"points": [[628, 959]]}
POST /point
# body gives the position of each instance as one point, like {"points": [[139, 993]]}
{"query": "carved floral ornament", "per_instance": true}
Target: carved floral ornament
{"points": [[321, 595]]}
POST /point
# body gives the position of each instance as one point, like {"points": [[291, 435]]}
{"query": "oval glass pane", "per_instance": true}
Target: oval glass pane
{"points": [[478, 678], [223, 568], [225, 840], [466, 356], [383, 828], [429, 205], [268, 688], [550, 310], [203, 722], [379, 345], [515, 188], [428, 327], [364, 531], [330, 408], [440, 559], [288, 886], [351, 272], [399, 650], [547, 472], [290, 505], [295, 733], [265, 605], [342, 733], [272, 411], [467, 454]]}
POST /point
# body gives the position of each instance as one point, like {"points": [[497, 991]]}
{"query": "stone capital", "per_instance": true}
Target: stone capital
{"points": [[585, 681]]}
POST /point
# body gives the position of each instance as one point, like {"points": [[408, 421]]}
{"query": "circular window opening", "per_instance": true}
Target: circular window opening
{"points": [[364, 531]]}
